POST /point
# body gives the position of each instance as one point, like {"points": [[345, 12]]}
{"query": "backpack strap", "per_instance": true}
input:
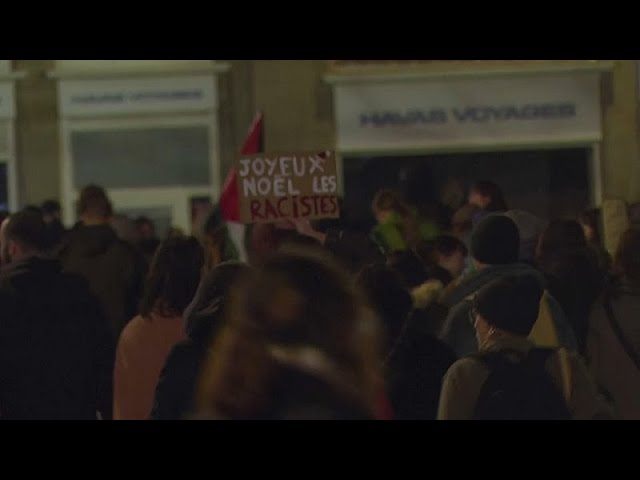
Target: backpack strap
{"points": [[617, 330]]}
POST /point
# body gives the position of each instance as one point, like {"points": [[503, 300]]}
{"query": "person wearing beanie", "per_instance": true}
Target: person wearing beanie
{"points": [[495, 251], [503, 315]]}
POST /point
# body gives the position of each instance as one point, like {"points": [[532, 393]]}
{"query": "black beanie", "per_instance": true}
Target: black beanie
{"points": [[495, 241], [510, 303]]}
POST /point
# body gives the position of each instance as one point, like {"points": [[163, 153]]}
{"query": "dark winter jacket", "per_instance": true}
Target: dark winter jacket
{"points": [[56, 350], [354, 250], [458, 332], [575, 280], [113, 268], [415, 369]]}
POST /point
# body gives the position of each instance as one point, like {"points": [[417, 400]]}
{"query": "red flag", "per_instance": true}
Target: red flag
{"points": [[230, 198]]}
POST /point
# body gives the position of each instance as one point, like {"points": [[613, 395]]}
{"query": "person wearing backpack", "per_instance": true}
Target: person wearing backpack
{"points": [[495, 249], [510, 378]]}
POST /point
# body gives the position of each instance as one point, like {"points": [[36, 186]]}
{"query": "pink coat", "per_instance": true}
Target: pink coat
{"points": [[143, 348]]}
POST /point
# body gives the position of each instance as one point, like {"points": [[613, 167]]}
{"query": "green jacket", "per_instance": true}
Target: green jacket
{"points": [[389, 234]]}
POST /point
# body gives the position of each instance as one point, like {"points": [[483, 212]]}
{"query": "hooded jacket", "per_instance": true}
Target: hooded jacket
{"points": [[113, 268], [552, 328], [56, 351]]}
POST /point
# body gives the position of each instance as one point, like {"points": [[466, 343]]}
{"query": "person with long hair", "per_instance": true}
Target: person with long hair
{"points": [[146, 341], [204, 319], [300, 343]]}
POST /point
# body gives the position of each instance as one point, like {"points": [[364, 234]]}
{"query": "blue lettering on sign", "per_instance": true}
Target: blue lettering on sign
{"points": [[472, 114], [173, 95], [412, 117], [101, 99]]}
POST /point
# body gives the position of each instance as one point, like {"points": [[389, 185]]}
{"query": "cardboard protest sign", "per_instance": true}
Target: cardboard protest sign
{"points": [[284, 186]]}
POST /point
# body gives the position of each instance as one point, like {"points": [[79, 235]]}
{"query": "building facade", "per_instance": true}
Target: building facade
{"points": [[457, 116]]}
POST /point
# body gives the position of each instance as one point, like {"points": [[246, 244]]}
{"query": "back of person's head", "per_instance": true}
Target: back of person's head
{"points": [[51, 208], [388, 296], [299, 302], [561, 237], [495, 241], [447, 245], [125, 228], [409, 267], [530, 228], [510, 304], [173, 277], [491, 196], [387, 200], [27, 230], [94, 202], [145, 225], [450, 253], [627, 257]]}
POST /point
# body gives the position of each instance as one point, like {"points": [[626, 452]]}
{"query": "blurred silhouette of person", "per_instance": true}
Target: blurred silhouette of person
{"points": [[204, 319], [415, 361], [113, 268], [148, 241], [572, 273], [56, 348], [52, 215], [218, 245], [488, 197], [301, 343], [399, 225]]}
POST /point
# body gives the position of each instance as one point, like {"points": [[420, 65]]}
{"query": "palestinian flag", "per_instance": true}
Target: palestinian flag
{"points": [[230, 198]]}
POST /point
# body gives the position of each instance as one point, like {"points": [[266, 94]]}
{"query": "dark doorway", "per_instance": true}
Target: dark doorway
{"points": [[548, 183]]}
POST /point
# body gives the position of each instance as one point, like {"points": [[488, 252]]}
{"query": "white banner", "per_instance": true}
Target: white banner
{"points": [[119, 96], [7, 101], [395, 115]]}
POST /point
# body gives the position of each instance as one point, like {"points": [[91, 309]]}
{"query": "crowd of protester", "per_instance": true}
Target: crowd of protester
{"points": [[483, 313]]}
